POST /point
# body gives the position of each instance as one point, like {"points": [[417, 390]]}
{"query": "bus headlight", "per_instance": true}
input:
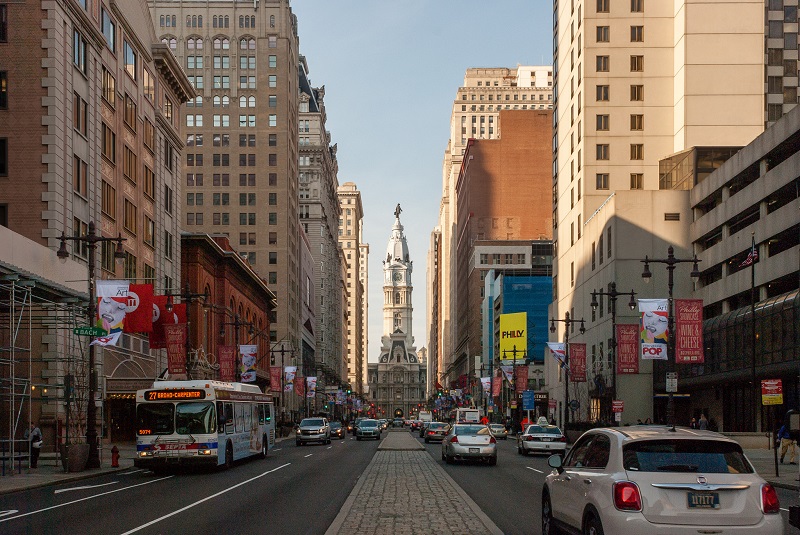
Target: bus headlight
{"points": [[203, 452], [145, 454]]}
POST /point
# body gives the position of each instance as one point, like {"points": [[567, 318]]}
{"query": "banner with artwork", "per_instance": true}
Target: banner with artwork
{"points": [[175, 335], [311, 390], [227, 363], [139, 312], [275, 378], [577, 363], [300, 386], [288, 378], [486, 382], [163, 317], [627, 348], [559, 352], [521, 379], [689, 331], [653, 328], [112, 304], [508, 373], [513, 336], [497, 386], [247, 363]]}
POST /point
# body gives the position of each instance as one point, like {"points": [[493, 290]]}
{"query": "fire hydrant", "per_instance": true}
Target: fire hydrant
{"points": [[115, 457]]}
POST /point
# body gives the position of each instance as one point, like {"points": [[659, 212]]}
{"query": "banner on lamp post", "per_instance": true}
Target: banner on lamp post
{"points": [[577, 363], [559, 352], [275, 378], [227, 363], [139, 313], [521, 379], [300, 386], [247, 356], [497, 385], [486, 382], [311, 391], [627, 348], [653, 328], [175, 335], [288, 378], [689, 331]]}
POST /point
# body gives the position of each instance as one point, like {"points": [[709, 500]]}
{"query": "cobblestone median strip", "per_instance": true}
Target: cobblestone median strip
{"points": [[406, 492]]}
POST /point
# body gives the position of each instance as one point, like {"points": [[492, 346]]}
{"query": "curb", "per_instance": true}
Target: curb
{"points": [[338, 522], [68, 479]]}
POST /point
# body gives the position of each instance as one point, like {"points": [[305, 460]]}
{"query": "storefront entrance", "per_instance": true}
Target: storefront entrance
{"points": [[121, 417]]}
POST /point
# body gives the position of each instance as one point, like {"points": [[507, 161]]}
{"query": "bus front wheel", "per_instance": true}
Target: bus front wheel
{"points": [[264, 447]]}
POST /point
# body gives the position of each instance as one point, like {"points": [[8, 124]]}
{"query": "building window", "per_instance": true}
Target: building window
{"points": [[637, 151], [80, 172], [637, 6], [603, 34], [602, 6], [79, 49], [602, 180], [149, 182], [168, 245], [602, 151], [129, 56], [602, 93], [602, 122], [149, 231], [637, 93], [129, 217], [637, 181], [109, 30], [129, 266], [130, 112], [637, 122], [3, 90], [109, 143], [3, 23], [602, 63], [109, 200], [80, 114], [637, 34], [637, 63]]}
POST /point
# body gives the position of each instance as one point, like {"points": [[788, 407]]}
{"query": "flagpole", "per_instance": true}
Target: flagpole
{"points": [[753, 254]]}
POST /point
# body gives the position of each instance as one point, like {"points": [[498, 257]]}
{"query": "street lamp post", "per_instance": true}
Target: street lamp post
{"points": [[91, 239], [187, 296], [237, 322], [670, 262], [567, 321], [283, 374], [612, 295]]}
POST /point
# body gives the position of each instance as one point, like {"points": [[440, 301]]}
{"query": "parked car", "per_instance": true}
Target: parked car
{"points": [[499, 431], [436, 432], [422, 428], [398, 422], [469, 441], [541, 439], [313, 430], [337, 431], [650, 479], [368, 429]]}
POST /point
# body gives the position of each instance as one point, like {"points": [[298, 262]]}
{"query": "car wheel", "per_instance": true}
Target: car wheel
{"points": [[228, 456], [427, 441], [547, 515], [492, 461], [358, 438], [443, 455], [297, 443], [519, 449], [592, 526], [448, 459], [264, 447]]}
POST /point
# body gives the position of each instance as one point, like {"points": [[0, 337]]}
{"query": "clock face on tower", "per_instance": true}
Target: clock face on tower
{"points": [[398, 277]]}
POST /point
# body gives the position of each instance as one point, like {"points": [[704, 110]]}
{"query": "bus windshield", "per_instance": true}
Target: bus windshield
{"points": [[155, 418], [194, 418]]}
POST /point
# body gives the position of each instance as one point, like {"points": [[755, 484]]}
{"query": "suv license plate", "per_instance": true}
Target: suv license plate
{"points": [[474, 450], [703, 500]]}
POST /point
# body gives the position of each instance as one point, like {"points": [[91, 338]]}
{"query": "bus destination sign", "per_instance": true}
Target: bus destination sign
{"points": [[171, 395]]}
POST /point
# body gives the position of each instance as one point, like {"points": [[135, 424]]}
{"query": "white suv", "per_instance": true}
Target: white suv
{"points": [[657, 480]]}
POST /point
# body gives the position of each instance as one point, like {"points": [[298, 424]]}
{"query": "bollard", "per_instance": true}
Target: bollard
{"points": [[115, 457]]}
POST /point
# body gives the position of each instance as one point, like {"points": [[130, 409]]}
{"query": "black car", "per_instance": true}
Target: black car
{"points": [[337, 431], [398, 422]]}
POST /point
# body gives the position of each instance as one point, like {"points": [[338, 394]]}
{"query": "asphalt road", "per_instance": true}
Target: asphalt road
{"points": [[295, 490]]}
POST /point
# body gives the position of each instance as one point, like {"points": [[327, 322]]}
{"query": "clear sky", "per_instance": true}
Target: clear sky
{"points": [[391, 70]]}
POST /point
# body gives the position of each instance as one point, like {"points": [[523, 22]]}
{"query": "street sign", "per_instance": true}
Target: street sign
{"points": [[89, 331], [574, 404], [771, 392], [528, 400], [617, 405], [672, 382]]}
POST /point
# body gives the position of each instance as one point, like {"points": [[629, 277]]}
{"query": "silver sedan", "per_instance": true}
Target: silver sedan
{"points": [[469, 441]]}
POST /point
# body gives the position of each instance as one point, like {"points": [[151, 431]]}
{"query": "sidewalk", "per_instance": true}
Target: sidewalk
{"points": [[764, 462]]}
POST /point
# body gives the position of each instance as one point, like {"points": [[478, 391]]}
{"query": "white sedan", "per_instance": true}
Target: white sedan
{"points": [[541, 439], [469, 441]]}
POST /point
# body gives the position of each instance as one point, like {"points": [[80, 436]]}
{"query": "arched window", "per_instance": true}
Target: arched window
{"points": [[217, 102], [190, 44], [397, 298], [161, 21], [198, 101], [226, 44], [214, 21], [242, 101], [171, 42], [271, 21], [252, 101], [227, 20], [225, 101], [188, 21], [200, 21], [174, 21], [241, 21], [194, 21], [217, 43]]}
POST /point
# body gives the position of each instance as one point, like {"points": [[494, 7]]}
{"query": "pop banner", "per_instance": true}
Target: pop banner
{"points": [[559, 352], [275, 378], [139, 311], [513, 337], [521, 379], [247, 356], [653, 328], [175, 335], [288, 378], [497, 386], [577, 363], [227, 363], [162, 317], [486, 382], [300, 386], [627, 348], [311, 391], [508, 374], [689, 331], [112, 303]]}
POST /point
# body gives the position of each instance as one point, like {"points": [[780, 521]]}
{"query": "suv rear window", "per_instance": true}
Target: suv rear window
{"points": [[707, 456]]}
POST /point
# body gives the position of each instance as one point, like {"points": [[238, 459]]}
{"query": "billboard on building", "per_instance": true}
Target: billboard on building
{"points": [[513, 336]]}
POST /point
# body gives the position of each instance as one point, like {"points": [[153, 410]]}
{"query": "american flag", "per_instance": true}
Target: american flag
{"points": [[752, 256]]}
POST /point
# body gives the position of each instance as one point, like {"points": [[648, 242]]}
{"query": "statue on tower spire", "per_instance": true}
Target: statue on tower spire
{"points": [[397, 211]]}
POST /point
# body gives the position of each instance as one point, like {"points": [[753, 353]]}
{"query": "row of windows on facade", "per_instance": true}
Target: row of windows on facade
{"points": [[224, 140], [217, 21], [507, 97], [223, 199], [508, 107], [224, 120], [495, 83], [224, 62], [502, 259], [603, 6], [224, 179], [217, 43], [223, 160]]}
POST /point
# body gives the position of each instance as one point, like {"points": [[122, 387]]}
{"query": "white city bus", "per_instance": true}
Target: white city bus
{"points": [[209, 423]]}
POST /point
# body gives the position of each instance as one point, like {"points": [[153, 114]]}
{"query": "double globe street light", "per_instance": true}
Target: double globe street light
{"points": [[567, 321]]}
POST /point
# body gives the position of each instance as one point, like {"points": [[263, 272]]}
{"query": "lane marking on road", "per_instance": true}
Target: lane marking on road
{"points": [[782, 509], [329, 447], [220, 493], [534, 469], [9, 512], [84, 487], [309, 455], [130, 472], [83, 499], [277, 449]]}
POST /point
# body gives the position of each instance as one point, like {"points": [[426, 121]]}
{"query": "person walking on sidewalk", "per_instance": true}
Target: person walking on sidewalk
{"points": [[34, 436], [703, 422], [787, 443]]}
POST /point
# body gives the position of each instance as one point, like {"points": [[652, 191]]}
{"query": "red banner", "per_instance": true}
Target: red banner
{"points": [[577, 363], [497, 385], [300, 386], [521, 379], [275, 378], [161, 317], [175, 335], [227, 363], [139, 314], [627, 348], [689, 331]]}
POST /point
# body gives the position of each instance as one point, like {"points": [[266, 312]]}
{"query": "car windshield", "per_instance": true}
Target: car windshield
{"points": [[538, 430], [706, 456], [471, 430], [335, 425], [312, 422], [497, 427], [368, 423], [437, 425]]}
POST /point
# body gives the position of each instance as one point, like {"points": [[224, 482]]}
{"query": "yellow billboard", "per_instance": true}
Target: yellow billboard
{"points": [[514, 336]]}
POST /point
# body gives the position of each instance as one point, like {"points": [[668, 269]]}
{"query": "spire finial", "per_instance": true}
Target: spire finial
{"points": [[397, 211]]}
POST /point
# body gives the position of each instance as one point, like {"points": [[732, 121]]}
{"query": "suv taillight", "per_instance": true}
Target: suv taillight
{"points": [[627, 496], [492, 440], [454, 440], [769, 499]]}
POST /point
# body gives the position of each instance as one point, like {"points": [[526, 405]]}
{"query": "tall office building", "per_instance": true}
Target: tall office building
{"points": [[319, 217], [475, 115], [363, 276], [350, 236], [241, 159], [635, 82]]}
